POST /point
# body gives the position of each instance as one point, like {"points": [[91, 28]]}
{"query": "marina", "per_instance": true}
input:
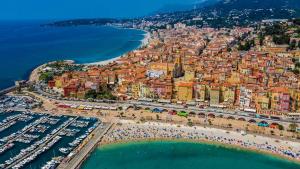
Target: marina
{"points": [[36, 140]]}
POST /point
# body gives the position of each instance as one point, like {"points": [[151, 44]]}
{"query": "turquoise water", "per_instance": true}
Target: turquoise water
{"points": [[180, 155], [25, 44]]}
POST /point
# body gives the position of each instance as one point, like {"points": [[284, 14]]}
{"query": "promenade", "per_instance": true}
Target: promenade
{"points": [[170, 106], [81, 156]]}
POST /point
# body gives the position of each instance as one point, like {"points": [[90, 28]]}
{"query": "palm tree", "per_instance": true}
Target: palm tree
{"points": [[190, 123], [142, 119], [209, 122], [247, 127], [280, 127], [157, 117]]}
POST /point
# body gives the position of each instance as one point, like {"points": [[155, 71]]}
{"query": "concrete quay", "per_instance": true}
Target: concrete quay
{"points": [[85, 151]]}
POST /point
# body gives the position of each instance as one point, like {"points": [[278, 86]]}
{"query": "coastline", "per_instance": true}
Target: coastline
{"points": [[33, 75], [127, 132], [144, 42]]}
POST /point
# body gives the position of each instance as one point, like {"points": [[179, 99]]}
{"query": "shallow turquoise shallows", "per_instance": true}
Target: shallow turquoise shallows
{"points": [[181, 155]]}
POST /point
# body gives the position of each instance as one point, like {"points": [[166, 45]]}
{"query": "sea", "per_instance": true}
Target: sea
{"points": [[181, 155], [24, 45]]}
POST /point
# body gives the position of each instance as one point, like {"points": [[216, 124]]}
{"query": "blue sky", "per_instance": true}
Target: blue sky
{"points": [[61, 9]]}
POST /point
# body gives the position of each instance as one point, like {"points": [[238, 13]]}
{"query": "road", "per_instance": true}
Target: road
{"points": [[170, 106], [153, 104], [216, 112]]}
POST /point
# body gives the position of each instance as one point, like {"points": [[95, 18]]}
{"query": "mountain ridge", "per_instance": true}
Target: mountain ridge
{"points": [[223, 13]]}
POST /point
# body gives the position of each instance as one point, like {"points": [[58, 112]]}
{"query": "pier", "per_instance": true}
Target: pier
{"points": [[92, 144], [20, 134], [18, 85], [8, 90], [9, 121], [42, 145]]}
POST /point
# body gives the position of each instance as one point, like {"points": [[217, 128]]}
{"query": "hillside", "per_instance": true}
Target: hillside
{"points": [[216, 13], [170, 8], [228, 13], [257, 4]]}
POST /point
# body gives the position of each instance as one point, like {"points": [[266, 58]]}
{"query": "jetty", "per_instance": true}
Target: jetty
{"points": [[88, 148], [8, 90], [18, 85]]}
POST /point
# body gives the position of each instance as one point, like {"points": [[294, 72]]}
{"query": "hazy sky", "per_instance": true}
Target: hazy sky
{"points": [[58, 9]]}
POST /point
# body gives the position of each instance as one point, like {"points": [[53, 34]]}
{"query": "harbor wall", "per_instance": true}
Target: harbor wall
{"points": [[8, 90]]}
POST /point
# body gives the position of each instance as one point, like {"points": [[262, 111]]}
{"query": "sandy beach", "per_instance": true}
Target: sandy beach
{"points": [[129, 131]]}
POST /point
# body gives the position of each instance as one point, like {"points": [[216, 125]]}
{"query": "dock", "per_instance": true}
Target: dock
{"points": [[7, 90], [42, 145], [84, 153]]}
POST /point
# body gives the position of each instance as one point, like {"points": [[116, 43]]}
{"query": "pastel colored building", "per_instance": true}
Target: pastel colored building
{"points": [[215, 96], [184, 91], [280, 99], [245, 97], [263, 102]]}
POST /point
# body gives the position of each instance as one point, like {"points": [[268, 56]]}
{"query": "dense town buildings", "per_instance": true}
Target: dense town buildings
{"points": [[183, 64]]}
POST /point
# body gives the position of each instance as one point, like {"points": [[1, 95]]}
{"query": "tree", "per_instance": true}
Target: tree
{"points": [[297, 21], [47, 76], [296, 71], [293, 127], [157, 117], [280, 127], [293, 45], [190, 123], [30, 88], [261, 39], [247, 46], [209, 122], [91, 94]]}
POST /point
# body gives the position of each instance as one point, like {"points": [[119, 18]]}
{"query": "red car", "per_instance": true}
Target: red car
{"points": [[172, 112]]}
